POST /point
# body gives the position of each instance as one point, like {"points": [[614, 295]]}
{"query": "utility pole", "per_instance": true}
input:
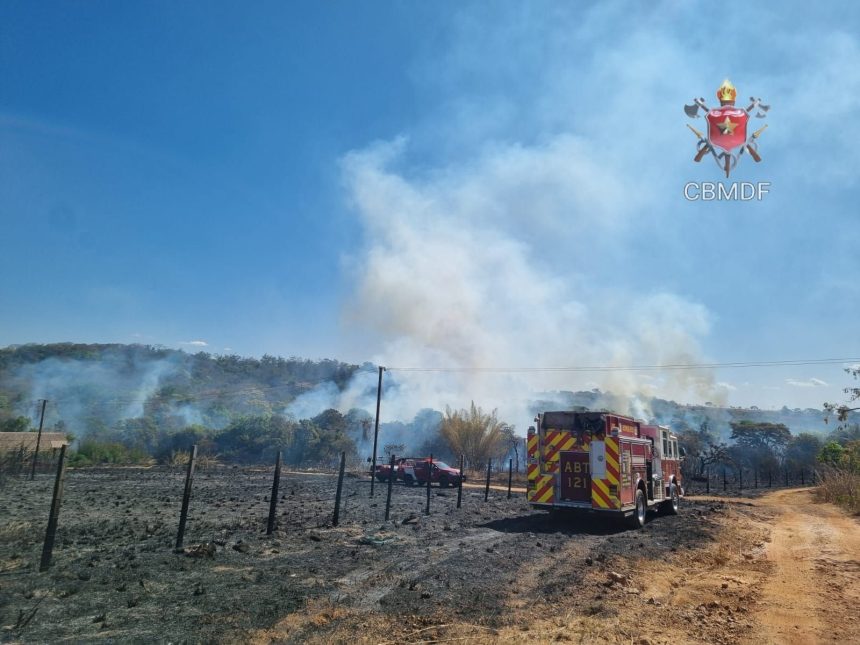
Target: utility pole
{"points": [[38, 440], [376, 431]]}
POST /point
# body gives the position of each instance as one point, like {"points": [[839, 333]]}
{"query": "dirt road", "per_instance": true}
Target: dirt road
{"points": [[813, 593]]}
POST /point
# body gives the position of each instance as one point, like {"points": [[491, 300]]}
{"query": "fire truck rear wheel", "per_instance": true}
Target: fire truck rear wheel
{"points": [[637, 519]]}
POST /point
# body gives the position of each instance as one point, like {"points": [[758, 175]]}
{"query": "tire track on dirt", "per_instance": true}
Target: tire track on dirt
{"points": [[814, 590]]}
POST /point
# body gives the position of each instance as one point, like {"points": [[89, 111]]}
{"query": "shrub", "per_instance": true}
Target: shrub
{"points": [[92, 452], [178, 458], [840, 486]]}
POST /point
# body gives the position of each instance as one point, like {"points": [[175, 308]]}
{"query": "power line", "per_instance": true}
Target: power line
{"points": [[218, 393], [631, 368]]}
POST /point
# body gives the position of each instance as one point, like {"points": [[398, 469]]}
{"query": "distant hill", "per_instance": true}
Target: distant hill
{"points": [[95, 386], [681, 417]]}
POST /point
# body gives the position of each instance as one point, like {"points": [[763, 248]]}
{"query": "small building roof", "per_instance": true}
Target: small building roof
{"points": [[14, 440]]}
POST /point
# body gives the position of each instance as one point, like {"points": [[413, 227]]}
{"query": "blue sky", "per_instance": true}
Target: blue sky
{"points": [[433, 184]]}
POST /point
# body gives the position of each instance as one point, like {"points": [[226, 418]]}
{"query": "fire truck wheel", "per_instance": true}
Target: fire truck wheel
{"points": [[409, 480], [671, 506], [444, 482], [637, 520]]}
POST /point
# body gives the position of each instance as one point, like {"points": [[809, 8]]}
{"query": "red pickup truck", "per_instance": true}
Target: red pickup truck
{"points": [[413, 470]]}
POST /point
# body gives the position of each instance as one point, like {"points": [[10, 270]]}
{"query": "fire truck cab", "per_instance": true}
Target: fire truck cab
{"points": [[604, 463]]}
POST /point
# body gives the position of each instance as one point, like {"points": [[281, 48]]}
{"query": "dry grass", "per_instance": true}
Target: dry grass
{"points": [[841, 487], [15, 530], [205, 462], [13, 462], [178, 458]]}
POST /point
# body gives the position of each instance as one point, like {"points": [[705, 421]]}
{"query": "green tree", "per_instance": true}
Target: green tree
{"points": [[701, 448], [140, 432], [313, 444], [182, 440], [327, 444], [803, 450], [831, 454], [304, 442], [16, 424], [360, 425], [332, 421], [760, 444], [256, 439]]}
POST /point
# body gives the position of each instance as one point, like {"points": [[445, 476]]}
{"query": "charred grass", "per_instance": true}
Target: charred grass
{"points": [[494, 571]]}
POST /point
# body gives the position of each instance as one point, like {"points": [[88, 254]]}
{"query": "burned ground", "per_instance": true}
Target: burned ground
{"points": [[487, 571]]}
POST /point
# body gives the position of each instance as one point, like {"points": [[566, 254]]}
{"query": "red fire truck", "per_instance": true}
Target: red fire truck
{"points": [[603, 462]]}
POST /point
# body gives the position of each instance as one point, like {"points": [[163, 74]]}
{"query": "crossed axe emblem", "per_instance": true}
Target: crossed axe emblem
{"points": [[726, 160]]}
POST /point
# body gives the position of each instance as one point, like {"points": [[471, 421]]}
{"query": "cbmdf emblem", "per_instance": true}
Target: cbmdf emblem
{"points": [[728, 128]]}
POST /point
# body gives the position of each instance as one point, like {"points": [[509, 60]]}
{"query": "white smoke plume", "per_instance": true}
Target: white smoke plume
{"points": [[487, 265], [106, 390], [500, 231]]}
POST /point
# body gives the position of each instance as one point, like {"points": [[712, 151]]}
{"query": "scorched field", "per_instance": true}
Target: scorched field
{"points": [[493, 571]]}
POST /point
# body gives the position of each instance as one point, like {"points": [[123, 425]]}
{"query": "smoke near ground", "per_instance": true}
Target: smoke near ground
{"points": [[156, 402], [103, 390], [95, 388]]}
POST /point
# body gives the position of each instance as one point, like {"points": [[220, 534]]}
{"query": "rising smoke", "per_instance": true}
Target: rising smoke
{"points": [[500, 232], [457, 273], [102, 392]]}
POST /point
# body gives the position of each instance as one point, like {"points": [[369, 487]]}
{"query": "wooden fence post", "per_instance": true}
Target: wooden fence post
{"points": [[54, 515], [336, 517], [390, 484], [186, 497], [273, 502], [460, 485], [429, 479]]}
